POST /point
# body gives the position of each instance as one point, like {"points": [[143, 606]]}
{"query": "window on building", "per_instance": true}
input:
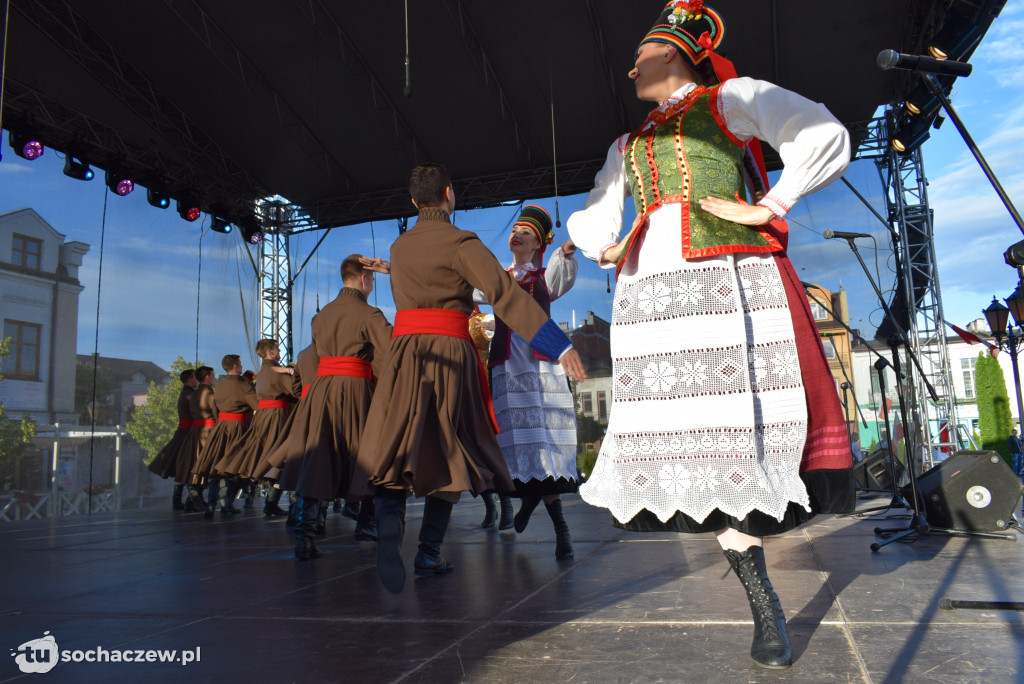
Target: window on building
{"points": [[830, 347], [602, 407], [967, 366], [819, 312], [23, 360], [588, 404], [26, 251]]}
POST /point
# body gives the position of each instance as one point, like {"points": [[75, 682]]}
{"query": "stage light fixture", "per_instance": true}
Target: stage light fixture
{"points": [[909, 136], [250, 228], [219, 225], [157, 198], [921, 102], [25, 146], [188, 209], [78, 170], [119, 184], [957, 39]]}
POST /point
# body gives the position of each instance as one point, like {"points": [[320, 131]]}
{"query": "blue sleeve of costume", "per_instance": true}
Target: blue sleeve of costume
{"points": [[550, 340]]}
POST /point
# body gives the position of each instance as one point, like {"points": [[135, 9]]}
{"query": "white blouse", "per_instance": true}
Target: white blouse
{"points": [[560, 275], [814, 146]]}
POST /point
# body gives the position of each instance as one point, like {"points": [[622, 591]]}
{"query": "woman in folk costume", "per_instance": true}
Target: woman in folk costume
{"points": [[277, 390], [725, 417], [429, 429], [532, 401]]}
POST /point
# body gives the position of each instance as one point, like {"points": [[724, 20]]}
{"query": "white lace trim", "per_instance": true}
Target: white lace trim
{"points": [[708, 408], [697, 471], [536, 414]]}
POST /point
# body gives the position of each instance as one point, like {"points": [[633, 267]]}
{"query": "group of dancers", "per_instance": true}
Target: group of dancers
{"points": [[724, 415]]}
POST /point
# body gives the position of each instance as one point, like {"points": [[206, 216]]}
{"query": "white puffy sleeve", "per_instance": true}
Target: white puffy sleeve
{"points": [[596, 226], [479, 297], [560, 273], [814, 146]]}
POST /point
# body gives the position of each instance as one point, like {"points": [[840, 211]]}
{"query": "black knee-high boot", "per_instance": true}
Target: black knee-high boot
{"points": [[195, 496], [227, 498], [176, 503], [390, 512], [771, 642], [490, 510], [525, 511], [366, 524], [305, 531], [436, 514], [212, 495], [270, 507], [563, 542], [507, 521], [321, 517]]}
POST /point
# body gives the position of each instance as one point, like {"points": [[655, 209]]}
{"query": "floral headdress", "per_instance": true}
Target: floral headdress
{"points": [[690, 27]]}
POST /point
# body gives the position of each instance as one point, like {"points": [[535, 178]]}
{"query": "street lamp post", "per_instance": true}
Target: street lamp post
{"points": [[1007, 338]]}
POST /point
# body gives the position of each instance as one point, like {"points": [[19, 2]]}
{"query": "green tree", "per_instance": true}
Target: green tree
{"points": [[153, 425], [994, 417], [15, 435]]}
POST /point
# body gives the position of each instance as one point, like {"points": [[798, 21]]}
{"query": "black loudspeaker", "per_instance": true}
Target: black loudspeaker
{"points": [[873, 471], [972, 490]]}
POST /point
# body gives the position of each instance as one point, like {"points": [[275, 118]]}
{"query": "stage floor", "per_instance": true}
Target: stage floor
{"points": [[629, 608]]}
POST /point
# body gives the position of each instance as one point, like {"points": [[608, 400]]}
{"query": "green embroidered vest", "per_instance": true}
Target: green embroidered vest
{"points": [[682, 155]]}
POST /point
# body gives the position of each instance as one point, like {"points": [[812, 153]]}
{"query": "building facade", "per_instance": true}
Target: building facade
{"points": [[39, 291]]}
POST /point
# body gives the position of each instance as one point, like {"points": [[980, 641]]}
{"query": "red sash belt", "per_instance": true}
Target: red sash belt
{"points": [[450, 324], [184, 423], [344, 365], [305, 391], [203, 422], [273, 403], [227, 415]]}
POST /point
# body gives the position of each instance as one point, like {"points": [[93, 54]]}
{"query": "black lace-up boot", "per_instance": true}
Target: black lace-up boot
{"points": [[771, 642]]}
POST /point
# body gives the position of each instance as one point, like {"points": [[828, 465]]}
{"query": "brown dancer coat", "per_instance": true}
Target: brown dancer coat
{"points": [[428, 428], [245, 452], [320, 449], [166, 462], [233, 394]]}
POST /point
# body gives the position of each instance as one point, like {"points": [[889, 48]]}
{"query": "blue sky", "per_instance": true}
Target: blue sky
{"points": [[151, 289]]}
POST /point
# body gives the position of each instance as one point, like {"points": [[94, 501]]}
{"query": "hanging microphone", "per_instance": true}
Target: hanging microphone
{"points": [[829, 234], [890, 59]]}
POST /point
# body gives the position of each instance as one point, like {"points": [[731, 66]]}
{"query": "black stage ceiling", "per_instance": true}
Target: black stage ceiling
{"points": [[240, 99]]}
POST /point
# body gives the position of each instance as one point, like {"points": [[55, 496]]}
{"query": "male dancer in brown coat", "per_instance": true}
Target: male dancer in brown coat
{"points": [[350, 336], [235, 400], [165, 463], [430, 428], [204, 416]]}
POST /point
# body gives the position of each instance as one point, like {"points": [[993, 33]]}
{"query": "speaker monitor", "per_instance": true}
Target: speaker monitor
{"points": [[972, 490], [873, 471]]}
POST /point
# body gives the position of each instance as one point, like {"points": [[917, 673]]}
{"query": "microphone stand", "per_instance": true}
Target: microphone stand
{"points": [[918, 524], [935, 90]]}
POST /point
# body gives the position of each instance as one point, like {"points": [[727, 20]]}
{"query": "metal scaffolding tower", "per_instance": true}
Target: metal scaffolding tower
{"points": [[917, 300], [275, 217]]}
